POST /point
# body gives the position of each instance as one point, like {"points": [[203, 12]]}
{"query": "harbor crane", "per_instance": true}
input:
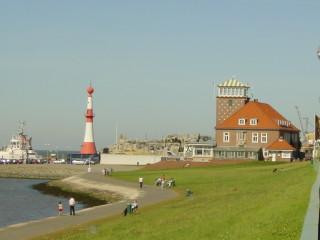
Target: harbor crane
{"points": [[300, 120], [303, 131]]}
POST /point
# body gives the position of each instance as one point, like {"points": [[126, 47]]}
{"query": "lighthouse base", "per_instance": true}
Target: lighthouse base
{"points": [[88, 148]]}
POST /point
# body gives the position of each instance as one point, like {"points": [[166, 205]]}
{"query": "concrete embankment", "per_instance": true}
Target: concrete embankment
{"points": [[38, 171], [79, 176], [54, 171]]}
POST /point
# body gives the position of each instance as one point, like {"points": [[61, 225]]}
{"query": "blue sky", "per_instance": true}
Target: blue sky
{"points": [[151, 63]]}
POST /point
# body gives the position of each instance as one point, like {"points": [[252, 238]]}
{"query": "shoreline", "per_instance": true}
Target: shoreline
{"points": [[58, 185], [84, 197]]}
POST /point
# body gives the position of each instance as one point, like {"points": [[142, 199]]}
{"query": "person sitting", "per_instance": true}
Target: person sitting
{"points": [[125, 212], [134, 206], [170, 182], [158, 182]]}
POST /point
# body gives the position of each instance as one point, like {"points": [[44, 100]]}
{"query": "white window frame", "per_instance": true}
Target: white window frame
{"points": [[286, 155], [240, 154], [198, 151], [241, 136], [255, 137], [241, 121], [253, 121], [264, 137], [226, 137], [207, 152]]}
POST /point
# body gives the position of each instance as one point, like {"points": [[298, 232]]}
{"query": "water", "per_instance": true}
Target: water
{"points": [[21, 203]]}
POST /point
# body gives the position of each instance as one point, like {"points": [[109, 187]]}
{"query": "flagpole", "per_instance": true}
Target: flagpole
{"points": [[315, 154], [116, 133], [314, 136]]}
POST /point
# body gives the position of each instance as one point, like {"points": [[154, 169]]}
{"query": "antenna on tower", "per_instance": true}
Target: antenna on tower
{"points": [[116, 133], [251, 90], [214, 90]]}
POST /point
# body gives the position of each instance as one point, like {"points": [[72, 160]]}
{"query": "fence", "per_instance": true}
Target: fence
{"points": [[310, 229]]}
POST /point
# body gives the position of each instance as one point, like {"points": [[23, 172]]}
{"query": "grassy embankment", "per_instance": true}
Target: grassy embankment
{"points": [[239, 201]]}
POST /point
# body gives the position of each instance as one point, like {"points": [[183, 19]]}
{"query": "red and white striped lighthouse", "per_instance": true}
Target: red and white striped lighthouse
{"points": [[88, 146]]}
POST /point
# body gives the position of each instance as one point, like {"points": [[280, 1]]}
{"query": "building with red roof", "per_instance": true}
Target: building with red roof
{"points": [[249, 129]]}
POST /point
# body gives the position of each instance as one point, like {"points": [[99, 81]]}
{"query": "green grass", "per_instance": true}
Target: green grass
{"points": [[238, 201]]}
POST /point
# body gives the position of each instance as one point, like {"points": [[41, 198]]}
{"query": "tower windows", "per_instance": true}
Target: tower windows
{"points": [[230, 103]]}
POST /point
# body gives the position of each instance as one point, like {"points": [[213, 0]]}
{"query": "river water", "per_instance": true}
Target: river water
{"points": [[19, 202]]}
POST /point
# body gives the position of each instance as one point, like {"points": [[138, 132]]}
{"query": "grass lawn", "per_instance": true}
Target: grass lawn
{"points": [[238, 201]]}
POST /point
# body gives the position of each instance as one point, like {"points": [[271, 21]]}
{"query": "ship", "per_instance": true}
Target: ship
{"points": [[20, 147]]}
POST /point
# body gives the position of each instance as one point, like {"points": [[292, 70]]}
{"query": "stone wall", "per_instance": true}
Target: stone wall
{"points": [[122, 159]]}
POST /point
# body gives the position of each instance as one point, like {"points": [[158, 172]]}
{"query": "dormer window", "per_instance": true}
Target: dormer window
{"points": [[242, 121], [284, 123], [253, 121]]}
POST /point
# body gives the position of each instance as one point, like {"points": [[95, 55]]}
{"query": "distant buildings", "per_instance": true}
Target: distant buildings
{"points": [[174, 143]]}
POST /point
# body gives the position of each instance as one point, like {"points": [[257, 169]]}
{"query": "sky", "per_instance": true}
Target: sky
{"points": [[153, 65]]}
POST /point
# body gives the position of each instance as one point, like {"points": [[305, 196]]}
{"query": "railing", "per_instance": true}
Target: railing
{"points": [[311, 226]]}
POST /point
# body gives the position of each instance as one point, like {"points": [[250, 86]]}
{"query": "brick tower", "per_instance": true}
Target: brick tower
{"points": [[232, 95]]}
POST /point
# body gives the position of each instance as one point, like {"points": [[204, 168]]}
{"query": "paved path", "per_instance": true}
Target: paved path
{"points": [[129, 191], [311, 221]]}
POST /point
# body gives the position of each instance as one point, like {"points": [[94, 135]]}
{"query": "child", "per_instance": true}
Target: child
{"points": [[60, 208]]}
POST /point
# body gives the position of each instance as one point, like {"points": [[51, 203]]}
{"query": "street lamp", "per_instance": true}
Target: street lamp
{"points": [[89, 168], [318, 53], [57, 155], [47, 144], [67, 152]]}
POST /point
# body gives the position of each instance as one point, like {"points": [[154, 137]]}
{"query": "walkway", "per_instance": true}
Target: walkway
{"points": [[129, 191], [311, 222]]}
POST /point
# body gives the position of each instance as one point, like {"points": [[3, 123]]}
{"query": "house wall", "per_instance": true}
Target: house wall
{"points": [[278, 156], [271, 137]]}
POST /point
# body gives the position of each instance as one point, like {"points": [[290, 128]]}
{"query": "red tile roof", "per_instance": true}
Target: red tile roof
{"points": [[281, 144], [267, 118]]}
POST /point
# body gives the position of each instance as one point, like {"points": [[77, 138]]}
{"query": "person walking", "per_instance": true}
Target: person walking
{"points": [[141, 181], [60, 209], [72, 202], [162, 183]]}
